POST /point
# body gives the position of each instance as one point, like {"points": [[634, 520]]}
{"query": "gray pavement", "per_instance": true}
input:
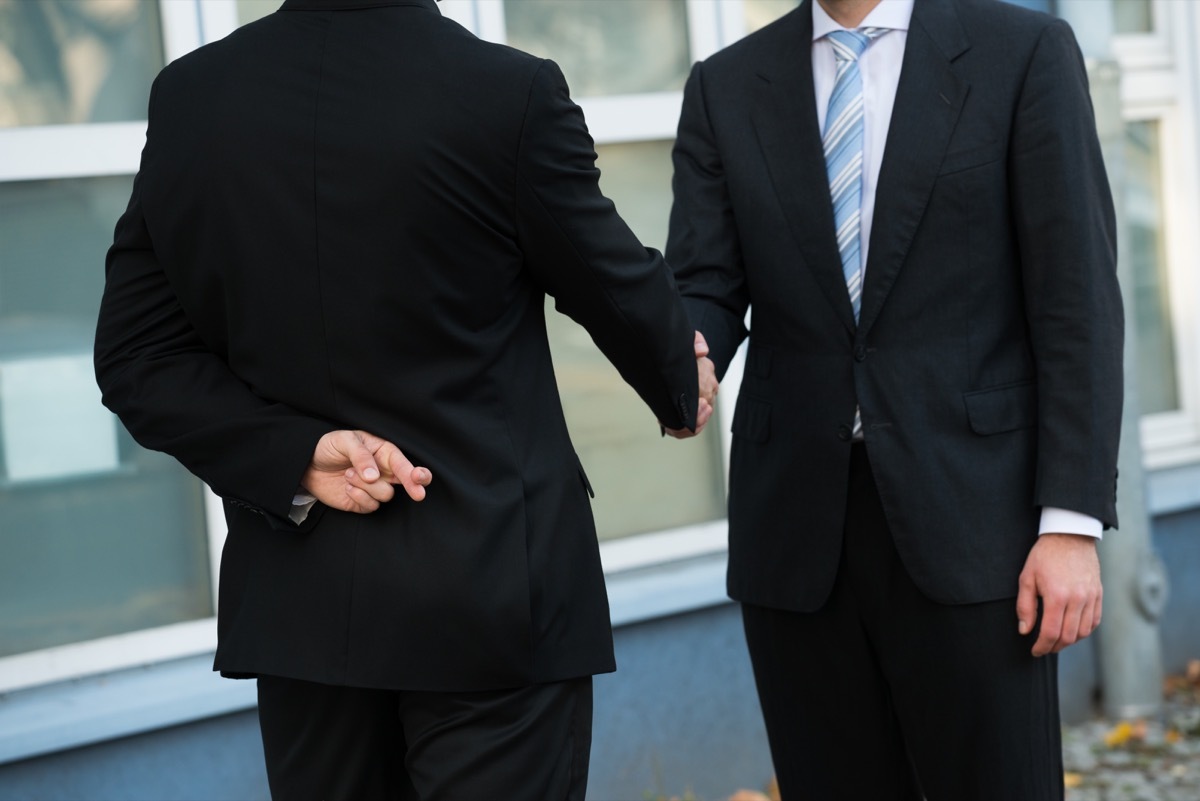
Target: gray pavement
{"points": [[1149, 760]]}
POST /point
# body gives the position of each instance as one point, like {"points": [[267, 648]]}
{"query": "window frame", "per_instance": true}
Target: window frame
{"points": [[1158, 83]]}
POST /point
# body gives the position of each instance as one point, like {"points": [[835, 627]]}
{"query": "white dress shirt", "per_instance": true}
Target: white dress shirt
{"points": [[879, 66]]}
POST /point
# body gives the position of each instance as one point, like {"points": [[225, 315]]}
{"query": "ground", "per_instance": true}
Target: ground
{"points": [[1156, 759]]}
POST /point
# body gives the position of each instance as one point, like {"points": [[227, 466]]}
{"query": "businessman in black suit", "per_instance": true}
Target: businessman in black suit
{"points": [[910, 197], [333, 268]]}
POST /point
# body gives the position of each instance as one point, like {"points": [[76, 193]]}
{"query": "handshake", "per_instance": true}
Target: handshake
{"points": [[708, 391], [356, 471]]}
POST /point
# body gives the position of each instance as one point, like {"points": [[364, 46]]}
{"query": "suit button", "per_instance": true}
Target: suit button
{"points": [[860, 354], [845, 433]]}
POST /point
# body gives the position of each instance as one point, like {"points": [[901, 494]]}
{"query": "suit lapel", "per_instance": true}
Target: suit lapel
{"points": [[928, 101], [785, 120]]}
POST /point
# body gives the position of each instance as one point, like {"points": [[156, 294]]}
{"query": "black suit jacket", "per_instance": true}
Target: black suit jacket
{"points": [[987, 359], [349, 214]]}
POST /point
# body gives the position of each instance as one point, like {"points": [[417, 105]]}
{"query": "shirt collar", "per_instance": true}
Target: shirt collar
{"points": [[892, 14]]}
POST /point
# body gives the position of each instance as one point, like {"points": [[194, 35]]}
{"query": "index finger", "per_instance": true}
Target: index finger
{"points": [[413, 479], [1051, 626]]}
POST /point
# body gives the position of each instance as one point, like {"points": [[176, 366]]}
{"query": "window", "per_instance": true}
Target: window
{"points": [[762, 12], [1133, 16], [605, 48], [1160, 200], [618, 58], [1151, 313], [77, 62], [105, 552]]}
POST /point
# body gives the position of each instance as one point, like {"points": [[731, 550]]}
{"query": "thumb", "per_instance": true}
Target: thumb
{"points": [[701, 345], [1026, 605]]}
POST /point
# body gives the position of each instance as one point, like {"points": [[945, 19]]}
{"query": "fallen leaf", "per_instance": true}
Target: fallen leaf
{"points": [[1072, 779], [1119, 734]]}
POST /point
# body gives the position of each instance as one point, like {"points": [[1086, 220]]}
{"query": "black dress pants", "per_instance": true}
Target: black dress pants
{"points": [[352, 744], [883, 694]]}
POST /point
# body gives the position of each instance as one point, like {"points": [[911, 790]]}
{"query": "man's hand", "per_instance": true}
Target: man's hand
{"points": [[354, 471], [708, 390], [1064, 571]]}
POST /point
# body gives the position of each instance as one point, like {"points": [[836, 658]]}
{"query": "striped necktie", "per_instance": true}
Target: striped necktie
{"points": [[843, 142]]}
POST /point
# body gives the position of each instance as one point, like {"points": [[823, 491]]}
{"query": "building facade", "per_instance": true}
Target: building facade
{"points": [[109, 553]]}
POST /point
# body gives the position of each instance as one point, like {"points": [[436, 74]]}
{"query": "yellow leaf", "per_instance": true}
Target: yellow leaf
{"points": [[1119, 735], [1072, 779], [1173, 736]]}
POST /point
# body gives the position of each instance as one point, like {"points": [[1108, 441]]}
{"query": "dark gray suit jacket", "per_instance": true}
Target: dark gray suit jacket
{"points": [[987, 360], [349, 215]]}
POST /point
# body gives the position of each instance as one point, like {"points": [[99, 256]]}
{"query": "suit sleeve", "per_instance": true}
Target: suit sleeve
{"points": [[703, 247], [1066, 231], [175, 395], [583, 254]]}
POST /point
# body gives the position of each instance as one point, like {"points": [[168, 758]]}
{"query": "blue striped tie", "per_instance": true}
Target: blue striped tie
{"points": [[843, 141]]}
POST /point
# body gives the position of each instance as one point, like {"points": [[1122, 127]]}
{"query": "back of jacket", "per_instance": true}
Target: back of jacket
{"points": [[348, 216]]}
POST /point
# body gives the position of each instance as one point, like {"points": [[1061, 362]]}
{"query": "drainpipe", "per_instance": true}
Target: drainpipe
{"points": [[1135, 581]]}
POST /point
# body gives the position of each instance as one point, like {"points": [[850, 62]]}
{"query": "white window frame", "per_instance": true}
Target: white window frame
{"points": [[1159, 76]]}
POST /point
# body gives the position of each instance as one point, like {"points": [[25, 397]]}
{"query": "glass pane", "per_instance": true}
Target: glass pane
{"points": [[250, 10], [643, 482], [72, 61], [606, 47], [99, 536], [1148, 259], [1133, 16], [763, 12]]}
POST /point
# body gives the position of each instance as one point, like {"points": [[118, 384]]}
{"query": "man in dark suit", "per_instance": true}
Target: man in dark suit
{"points": [[910, 197], [347, 218]]}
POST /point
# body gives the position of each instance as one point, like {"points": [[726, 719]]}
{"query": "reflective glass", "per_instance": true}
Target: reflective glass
{"points": [[76, 61], [606, 47], [250, 10], [1133, 16], [762, 12], [643, 482], [1146, 249], [99, 536]]}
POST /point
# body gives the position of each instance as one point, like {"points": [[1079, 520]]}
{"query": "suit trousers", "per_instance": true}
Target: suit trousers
{"points": [[884, 694], [354, 744]]}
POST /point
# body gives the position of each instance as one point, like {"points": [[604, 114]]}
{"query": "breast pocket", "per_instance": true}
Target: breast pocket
{"points": [[969, 158]]}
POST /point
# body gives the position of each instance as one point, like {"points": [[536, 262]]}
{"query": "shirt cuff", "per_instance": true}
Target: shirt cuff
{"points": [[1064, 521], [302, 504]]}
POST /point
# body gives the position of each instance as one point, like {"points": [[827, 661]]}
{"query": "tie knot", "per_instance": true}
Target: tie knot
{"points": [[849, 45]]}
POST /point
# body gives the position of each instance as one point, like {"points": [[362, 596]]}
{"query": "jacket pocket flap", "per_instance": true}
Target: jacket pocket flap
{"points": [[752, 419], [1000, 409]]}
